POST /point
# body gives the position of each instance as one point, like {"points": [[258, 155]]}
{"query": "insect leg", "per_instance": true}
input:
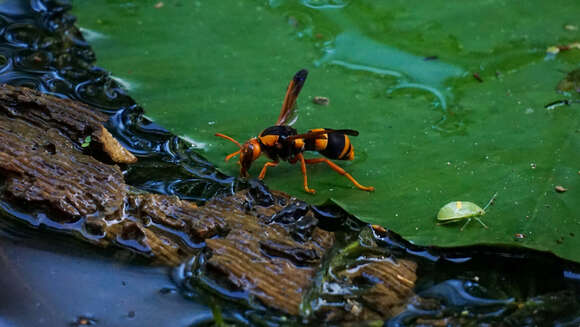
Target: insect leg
{"points": [[341, 171], [229, 156], [466, 223], [490, 201], [266, 165], [481, 222], [446, 222], [303, 167]]}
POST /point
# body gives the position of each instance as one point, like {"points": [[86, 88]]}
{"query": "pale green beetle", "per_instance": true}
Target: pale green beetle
{"points": [[458, 210]]}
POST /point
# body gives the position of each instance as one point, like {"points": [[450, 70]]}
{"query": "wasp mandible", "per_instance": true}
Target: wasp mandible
{"points": [[282, 142]]}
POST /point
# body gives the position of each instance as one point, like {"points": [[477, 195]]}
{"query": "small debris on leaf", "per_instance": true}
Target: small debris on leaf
{"points": [[560, 189], [558, 103], [323, 101], [570, 27], [571, 82], [519, 236], [431, 58], [477, 77], [555, 49], [159, 5]]}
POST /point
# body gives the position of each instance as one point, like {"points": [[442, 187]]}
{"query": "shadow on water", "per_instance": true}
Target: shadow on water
{"points": [[49, 279]]}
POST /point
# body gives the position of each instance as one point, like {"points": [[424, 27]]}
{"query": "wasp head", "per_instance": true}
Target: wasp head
{"points": [[250, 151]]}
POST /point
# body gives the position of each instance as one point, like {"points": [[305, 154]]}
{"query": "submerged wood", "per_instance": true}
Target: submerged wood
{"points": [[260, 242]]}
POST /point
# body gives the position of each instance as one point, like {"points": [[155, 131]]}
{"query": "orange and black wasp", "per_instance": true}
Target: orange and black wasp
{"points": [[282, 142]]}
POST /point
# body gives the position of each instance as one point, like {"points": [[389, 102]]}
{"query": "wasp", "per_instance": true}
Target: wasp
{"points": [[281, 142]]}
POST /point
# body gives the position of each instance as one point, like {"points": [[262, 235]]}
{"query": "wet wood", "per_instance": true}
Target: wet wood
{"points": [[72, 119], [42, 165], [366, 285], [265, 260], [394, 283]]}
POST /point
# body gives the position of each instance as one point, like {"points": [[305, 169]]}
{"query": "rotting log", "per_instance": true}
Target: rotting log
{"points": [[262, 242]]}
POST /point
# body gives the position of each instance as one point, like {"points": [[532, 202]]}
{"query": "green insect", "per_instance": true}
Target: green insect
{"points": [[459, 210]]}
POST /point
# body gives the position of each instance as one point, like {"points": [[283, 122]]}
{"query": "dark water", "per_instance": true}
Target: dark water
{"points": [[53, 280]]}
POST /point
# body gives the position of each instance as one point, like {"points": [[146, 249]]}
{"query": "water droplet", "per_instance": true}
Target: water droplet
{"points": [[325, 4]]}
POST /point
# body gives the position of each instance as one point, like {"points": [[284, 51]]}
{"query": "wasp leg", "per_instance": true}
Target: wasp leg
{"points": [[303, 167], [266, 165], [229, 156], [466, 223], [341, 171], [481, 222]]}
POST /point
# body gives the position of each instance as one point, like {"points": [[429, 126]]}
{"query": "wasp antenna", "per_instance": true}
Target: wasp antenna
{"points": [[229, 139]]}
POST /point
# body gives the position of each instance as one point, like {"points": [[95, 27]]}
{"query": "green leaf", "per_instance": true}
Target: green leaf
{"points": [[400, 73]]}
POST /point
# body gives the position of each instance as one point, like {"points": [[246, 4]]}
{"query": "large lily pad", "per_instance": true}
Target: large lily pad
{"points": [[400, 73]]}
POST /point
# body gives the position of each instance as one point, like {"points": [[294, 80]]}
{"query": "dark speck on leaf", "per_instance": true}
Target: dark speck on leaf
{"points": [[322, 101]]}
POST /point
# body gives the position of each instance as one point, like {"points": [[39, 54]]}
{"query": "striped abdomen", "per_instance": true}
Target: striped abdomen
{"points": [[333, 146]]}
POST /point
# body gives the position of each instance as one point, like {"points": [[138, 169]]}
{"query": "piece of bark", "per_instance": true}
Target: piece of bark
{"points": [[42, 166], [393, 280], [72, 119], [266, 261], [366, 287]]}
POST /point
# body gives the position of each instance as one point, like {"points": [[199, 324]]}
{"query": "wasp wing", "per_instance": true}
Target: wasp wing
{"points": [[351, 132], [318, 134], [288, 114]]}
